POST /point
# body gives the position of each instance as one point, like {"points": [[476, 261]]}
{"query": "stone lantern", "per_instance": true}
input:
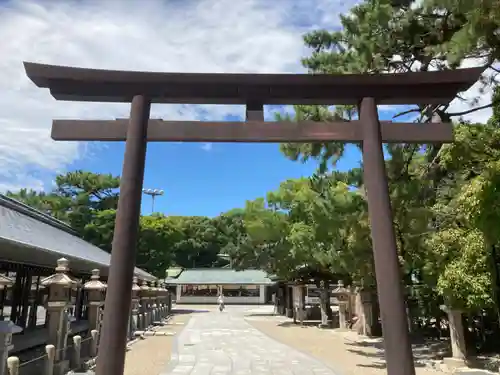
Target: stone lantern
{"points": [[154, 303], [153, 291], [59, 286], [145, 301], [96, 291], [342, 295], [135, 324], [163, 300]]}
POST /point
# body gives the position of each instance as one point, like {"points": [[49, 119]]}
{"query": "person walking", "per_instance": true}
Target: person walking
{"points": [[220, 301]]}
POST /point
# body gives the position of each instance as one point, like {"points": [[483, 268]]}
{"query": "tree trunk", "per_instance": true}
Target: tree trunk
{"points": [[324, 304], [368, 313]]}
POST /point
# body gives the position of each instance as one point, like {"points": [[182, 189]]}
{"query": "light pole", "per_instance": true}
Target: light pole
{"points": [[153, 193]]}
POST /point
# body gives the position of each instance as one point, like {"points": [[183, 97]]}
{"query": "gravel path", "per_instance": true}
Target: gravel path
{"points": [[245, 340], [342, 350], [224, 343], [150, 356]]}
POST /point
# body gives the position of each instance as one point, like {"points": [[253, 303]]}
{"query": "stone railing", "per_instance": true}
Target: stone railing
{"points": [[80, 353], [78, 357], [69, 351]]}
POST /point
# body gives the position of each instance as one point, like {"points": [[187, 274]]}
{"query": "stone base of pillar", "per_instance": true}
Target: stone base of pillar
{"points": [[289, 313], [61, 367], [454, 363]]}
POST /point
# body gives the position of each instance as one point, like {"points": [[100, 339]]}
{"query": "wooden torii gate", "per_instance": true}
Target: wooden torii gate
{"points": [[253, 90]]}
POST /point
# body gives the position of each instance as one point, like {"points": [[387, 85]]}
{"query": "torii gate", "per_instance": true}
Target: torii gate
{"points": [[253, 90]]}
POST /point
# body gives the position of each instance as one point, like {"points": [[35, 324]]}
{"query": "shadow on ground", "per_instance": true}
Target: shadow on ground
{"points": [[187, 311], [261, 314], [306, 324], [422, 352]]}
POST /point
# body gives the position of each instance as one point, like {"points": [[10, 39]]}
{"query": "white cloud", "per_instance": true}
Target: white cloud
{"points": [[155, 35], [194, 36], [477, 96], [207, 146]]}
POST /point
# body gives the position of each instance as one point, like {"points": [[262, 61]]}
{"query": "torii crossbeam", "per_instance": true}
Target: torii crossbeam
{"points": [[249, 131], [253, 90]]}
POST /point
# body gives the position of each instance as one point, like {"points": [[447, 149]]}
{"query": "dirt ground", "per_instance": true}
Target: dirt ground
{"points": [[150, 356], [343, 351]]}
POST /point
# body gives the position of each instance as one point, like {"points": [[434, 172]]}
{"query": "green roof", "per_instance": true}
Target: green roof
{"points": [[221, 276], [173, 272]]}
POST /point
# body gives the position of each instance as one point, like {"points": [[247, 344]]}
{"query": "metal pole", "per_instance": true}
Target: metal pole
{"points": [[153, 203], [113, 340], [398, 352]]}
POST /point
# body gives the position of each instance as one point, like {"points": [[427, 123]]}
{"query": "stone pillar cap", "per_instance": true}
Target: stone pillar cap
{"points": [[144, 285], [95, 283], [61, 277], [340, 289], [154, 287], [135, 285]]}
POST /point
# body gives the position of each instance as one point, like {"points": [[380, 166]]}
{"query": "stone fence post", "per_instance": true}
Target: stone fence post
{"points": [[13, 365], [77, 353], [49, 362], [94, 348]]}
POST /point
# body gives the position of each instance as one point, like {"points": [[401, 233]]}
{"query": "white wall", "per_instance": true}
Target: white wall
{"points": [[212, 300], [262, 294], [261, 299]]}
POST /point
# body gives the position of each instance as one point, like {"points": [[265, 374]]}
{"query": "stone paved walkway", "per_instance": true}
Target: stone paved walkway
{"points": [[224, 343]]}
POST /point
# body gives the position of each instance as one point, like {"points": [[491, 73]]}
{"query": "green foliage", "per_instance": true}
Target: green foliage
{"points": [[88, 201], [462, 261]]}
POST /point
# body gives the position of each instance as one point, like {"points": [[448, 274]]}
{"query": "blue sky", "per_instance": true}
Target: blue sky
{"points": [[258, 36], [210, 180]]}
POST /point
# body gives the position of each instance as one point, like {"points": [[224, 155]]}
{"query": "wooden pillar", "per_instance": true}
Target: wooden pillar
{"points": [[35, 302], [398, 352], [17, 292], [113, 341]]}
